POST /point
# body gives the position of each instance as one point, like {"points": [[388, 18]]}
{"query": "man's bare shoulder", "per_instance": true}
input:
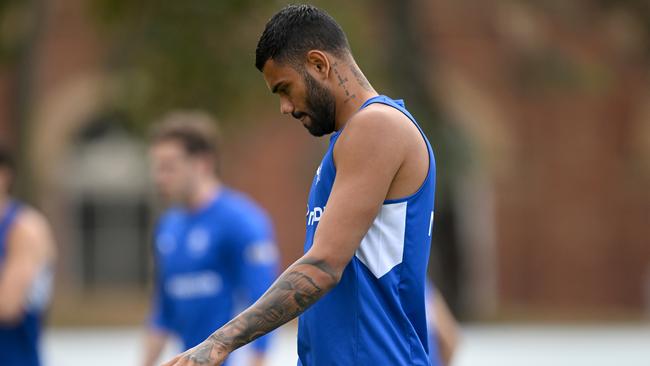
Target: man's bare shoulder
{"points": [[379, 126], [32, 231], [381, 117], [377, 123]]}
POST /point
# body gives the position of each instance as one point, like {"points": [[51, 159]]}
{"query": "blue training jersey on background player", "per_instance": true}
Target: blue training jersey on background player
{"points": [[208, 259], [376, 314], [19, 342]]}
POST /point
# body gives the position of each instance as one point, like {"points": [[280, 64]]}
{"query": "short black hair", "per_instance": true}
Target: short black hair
{"points": [[6, 158], [295, 30]]}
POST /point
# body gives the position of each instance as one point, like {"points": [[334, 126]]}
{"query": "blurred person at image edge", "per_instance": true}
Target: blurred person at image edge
{"points": [[27, 253]]}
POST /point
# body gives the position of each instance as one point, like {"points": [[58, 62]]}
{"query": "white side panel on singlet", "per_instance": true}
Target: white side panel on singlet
{"points": [[382, 247]]}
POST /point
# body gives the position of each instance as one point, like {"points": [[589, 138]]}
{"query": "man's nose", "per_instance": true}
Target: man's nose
{"points": [[286, 107]]}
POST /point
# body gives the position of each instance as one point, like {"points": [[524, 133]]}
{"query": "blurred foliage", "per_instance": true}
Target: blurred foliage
{"points": [[639, 9], [190, 54], [15, 23], [549, 70]]}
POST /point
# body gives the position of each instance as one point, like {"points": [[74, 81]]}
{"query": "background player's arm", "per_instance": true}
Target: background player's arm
{"points": [[257, 359], [154, 343], [368, 155], [157, 332], [30, 246], [447, 334]]}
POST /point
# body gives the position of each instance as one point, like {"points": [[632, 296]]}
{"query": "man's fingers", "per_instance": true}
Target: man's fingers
{"points": [[174, 361]]}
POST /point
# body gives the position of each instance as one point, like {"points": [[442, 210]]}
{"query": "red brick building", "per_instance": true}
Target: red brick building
{"points": [[555, 99]]}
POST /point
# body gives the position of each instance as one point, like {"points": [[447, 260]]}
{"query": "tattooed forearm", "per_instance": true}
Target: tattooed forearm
{"points": [[299, 287], [321, 265], [201, 355]]}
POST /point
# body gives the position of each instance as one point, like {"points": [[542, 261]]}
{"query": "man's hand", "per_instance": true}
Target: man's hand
{"points": [[257, 359], [207, 353]]}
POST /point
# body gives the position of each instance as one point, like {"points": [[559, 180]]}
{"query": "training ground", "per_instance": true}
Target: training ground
{"points": [[483, 345]]}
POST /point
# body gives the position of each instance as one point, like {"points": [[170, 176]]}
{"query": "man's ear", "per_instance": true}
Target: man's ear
{"points": [[319, 63]]}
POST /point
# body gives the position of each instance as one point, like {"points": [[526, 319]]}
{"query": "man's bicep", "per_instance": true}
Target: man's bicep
{"points": [[18, 271], [25, 257], [366, 168]]}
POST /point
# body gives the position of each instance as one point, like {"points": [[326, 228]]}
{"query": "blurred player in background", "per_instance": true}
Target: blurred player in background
{"points": [[27, 253], [443, 329], [360, 286], [213, 245]]}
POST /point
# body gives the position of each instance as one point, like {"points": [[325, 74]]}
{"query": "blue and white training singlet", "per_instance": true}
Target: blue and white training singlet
{"points": [[376, 315], [19, 341], [208, 259]]}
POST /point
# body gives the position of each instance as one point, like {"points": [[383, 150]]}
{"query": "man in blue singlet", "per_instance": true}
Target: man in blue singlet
{"points": [[27, 253], [214, 247], [359, 289]]}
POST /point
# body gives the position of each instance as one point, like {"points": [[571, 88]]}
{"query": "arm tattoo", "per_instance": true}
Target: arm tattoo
{"points": [[201, 355], [293, 292], [321, 265]]}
